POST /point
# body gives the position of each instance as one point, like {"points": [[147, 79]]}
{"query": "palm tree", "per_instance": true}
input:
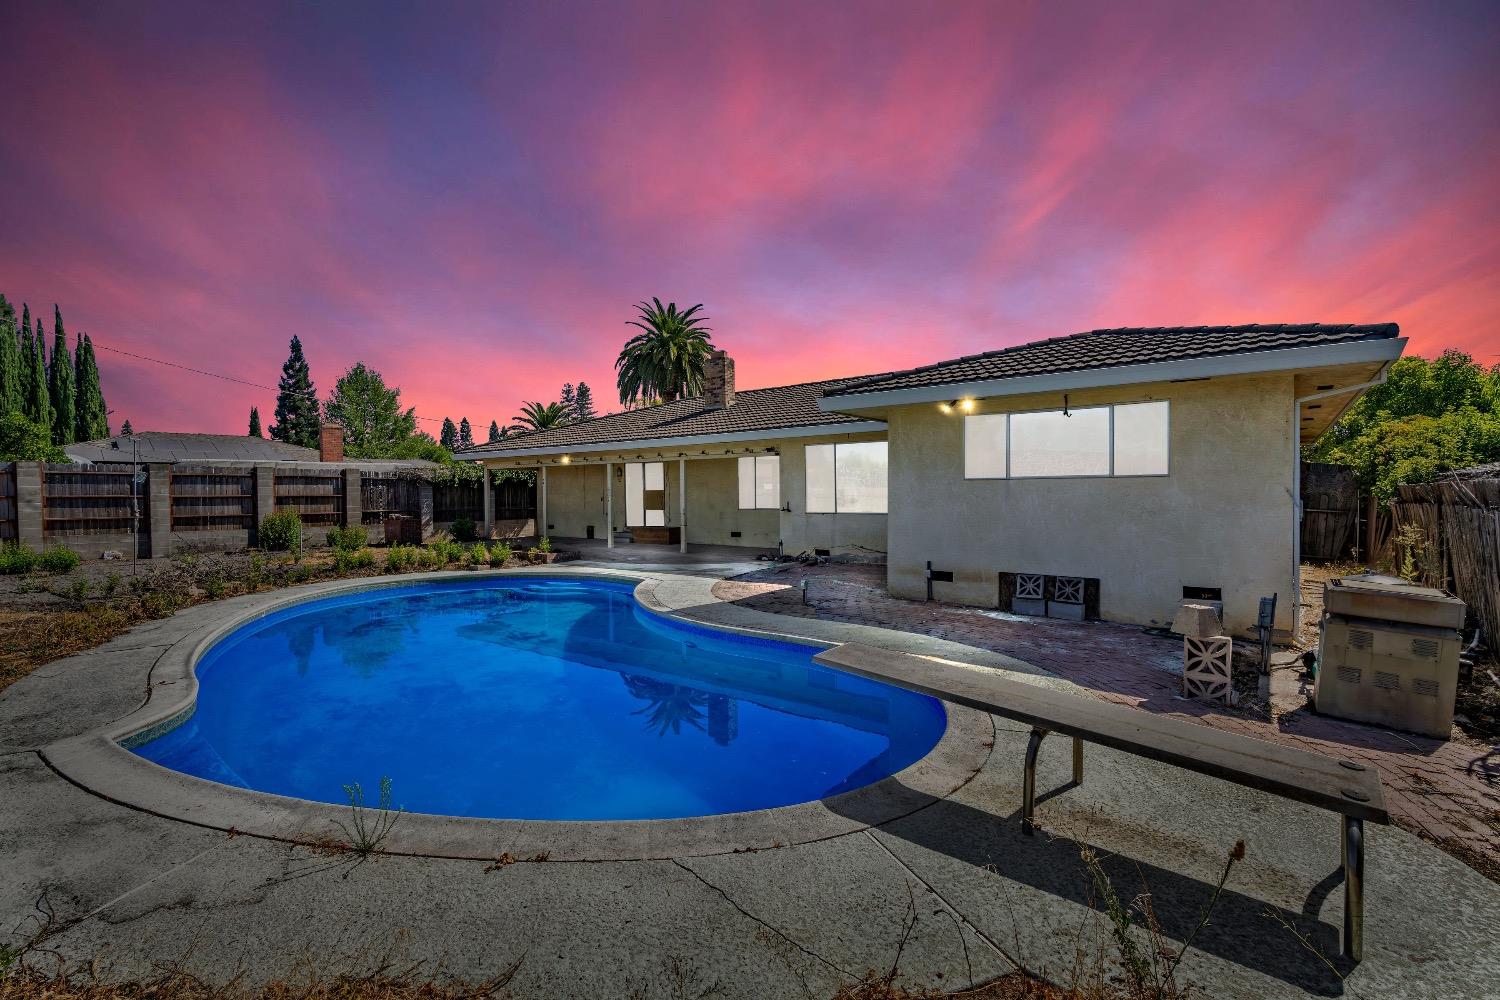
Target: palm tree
{"points": [[541, 416], [666, 358]]}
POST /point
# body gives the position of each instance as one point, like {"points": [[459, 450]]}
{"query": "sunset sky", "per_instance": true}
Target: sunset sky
{"points": [[470, 197]]}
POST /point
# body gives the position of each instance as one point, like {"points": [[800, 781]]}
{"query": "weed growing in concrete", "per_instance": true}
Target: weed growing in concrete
{"points": [[368, 828]]}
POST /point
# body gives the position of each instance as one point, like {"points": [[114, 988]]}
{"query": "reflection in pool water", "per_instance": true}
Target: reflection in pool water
{"points": [[535, 699]]}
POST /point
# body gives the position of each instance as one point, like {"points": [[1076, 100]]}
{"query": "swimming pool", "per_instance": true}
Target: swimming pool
{"points": [[527, 698]]}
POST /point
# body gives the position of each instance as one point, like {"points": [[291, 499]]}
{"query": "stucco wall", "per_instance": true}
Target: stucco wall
{"points": [[1222, 517], [575, 499]]}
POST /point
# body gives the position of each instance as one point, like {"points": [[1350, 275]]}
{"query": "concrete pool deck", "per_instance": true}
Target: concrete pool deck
{"points": [[133, 889]]}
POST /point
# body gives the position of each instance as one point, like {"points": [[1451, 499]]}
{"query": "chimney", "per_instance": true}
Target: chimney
{"points": [[718, 380], [331, 443]]}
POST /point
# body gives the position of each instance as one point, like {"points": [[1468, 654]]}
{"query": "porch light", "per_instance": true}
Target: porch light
{"points": [[967, 405], [566, 459]]}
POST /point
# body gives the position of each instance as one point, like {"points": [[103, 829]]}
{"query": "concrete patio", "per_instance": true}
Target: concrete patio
{"points": [[133, 889]]}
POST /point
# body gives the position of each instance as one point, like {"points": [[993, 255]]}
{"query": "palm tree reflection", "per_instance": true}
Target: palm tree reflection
{"points": [[671, 706]]}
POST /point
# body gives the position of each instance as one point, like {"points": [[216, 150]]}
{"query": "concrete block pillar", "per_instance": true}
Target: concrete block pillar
{"points": [[425, 509], [354, 509], [682, 489], [29, 505], [609, 504], [159, 508], [541, 501], [265, 498], [487, 496]]}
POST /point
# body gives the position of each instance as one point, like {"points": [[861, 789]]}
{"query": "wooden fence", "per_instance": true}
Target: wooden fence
{"points": [[317, 499], [1456, 530], [7, 503], [1330, 512], [93, 508]]}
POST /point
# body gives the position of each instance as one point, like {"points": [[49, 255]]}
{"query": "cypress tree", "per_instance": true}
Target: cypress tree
{"points": [[583, 402], [37, 402], [255, 422], [126, 430], [60, 387], [93, 414], [465, 434], [494, 431], [449, 438], [10, 360], [297, 416]]}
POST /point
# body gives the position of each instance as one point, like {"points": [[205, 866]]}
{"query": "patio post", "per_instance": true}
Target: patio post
{"points": [[487, 491], [609, 505], [541, 501], [682, 503]]}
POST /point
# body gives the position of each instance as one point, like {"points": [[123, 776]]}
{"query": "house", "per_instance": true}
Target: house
{"points": [[1141, 465], [167, 446]]}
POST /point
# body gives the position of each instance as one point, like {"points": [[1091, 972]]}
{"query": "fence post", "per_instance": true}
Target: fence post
{"points": [[424, 509], [29, 505], [354, 509], [159, 504], [265, 498], [487, 495]]}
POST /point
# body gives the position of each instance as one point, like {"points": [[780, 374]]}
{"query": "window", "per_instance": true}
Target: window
{"points": [[1141, 439], [760, 482], [1128, 439], [847, 478], [645, 494]]}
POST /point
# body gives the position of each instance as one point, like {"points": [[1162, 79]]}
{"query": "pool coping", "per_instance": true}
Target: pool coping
{"points": [[100, 762]]}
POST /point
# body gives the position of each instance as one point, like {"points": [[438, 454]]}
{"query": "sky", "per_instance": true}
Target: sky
{"points": [[470, 197]]}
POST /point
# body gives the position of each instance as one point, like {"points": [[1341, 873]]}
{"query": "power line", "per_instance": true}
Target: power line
{"points": [[200, 371]]}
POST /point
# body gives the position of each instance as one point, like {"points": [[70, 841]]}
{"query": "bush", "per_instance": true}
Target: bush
{"points": [[463, 530], [544, 544], [479, 555], [59, 560], [281, 531], [14, 559], [499, 554], [400, 558], [429, 558], [351, 538], [363, 559]]}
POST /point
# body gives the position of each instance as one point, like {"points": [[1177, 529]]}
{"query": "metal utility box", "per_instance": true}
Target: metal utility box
{"points": [[1388, 654]]}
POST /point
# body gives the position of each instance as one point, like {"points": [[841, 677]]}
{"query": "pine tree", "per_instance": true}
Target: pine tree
{"points": [[568, 398], [92, 420], [494, 431], [255, 422], [449, 438], [10, 360], [38, 403], [297, 416], [465, 434], [126, 430], [60, 387], [583, 403]]}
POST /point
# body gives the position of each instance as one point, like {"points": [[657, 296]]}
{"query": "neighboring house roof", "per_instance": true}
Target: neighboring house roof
{"points": [[1098, 350], [754, 413], [167, 446]]}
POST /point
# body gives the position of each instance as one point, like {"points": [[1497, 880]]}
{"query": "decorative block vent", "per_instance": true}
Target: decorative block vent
{"points": [[1427, 649], [1387, 681], [1206, 669], [1360, 639], [1030, 586], [1073, 597], [1350, 675], [1067, 589]]}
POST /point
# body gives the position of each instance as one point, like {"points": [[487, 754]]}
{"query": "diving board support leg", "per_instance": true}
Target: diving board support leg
{"points": [[1028, 782], [1077, 761], [1353, 853]]}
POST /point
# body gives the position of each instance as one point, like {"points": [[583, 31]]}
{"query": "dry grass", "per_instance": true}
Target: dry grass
{"points": [[384, 984]]}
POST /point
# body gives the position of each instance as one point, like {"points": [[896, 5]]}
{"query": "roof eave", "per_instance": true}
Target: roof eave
{"points": [[805, 430], [1251, 363]]}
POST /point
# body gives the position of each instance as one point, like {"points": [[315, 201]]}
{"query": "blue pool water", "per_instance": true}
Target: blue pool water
{"points": [[516, 698]]}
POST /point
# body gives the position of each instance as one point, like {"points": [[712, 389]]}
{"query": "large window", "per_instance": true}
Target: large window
{"points": [[645, 494], [1128, 439], [846, 478], [760, 482]]}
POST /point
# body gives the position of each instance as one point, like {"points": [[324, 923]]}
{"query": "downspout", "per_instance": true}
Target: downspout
{"points": [[1297, 486]]}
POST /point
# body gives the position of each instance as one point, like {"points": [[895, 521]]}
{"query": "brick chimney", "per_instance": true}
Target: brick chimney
{"points": [[331, 443], [718, 380]]}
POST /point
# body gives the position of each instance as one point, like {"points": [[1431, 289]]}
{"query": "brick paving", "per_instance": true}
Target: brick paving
{"points": [[1446, 791]]}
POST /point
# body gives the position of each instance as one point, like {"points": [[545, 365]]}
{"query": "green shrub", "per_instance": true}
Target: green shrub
{"points": [[351, 538], [363, 559], [400, 558], [343, 561], [479, 555], [544, 544], [532, 553], [281, 531], [14, 559], [499, 553], [429, 558], [463, 530], [59, 560]]}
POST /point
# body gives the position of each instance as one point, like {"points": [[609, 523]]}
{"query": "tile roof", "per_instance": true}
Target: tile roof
{"points": [[1117, 347], [753, 410], [168, 446]]}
